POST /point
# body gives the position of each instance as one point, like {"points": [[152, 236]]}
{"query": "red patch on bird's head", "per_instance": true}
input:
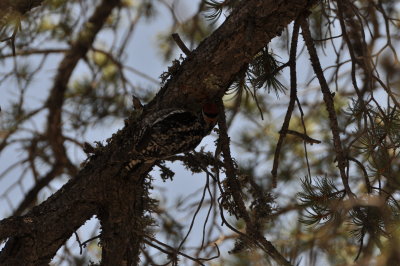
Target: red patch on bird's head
{"points": [[210, 112], [210, 108]]}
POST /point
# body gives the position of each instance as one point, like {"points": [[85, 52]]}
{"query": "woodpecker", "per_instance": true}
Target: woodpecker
{"points": [[172, 131]]}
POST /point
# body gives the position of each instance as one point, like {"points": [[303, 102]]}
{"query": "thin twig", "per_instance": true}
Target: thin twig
{"points": [[366, 178], [305, 133], [293, 96], [79, 242], [14, 34], [194, 218], [304, 136], [173, 250], [181, 44], [89, 240]]}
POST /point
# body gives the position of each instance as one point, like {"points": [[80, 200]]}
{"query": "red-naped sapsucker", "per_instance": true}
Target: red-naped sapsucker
{"points": [[172, 131]]}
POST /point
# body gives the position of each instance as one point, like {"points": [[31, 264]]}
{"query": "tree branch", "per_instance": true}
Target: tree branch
{"points": [[77, 51], [234, 189], [211, 68], [293, 97], [330, 105]]}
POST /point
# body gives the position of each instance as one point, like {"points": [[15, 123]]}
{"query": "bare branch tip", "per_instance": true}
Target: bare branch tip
{"points": [[181, 44]]}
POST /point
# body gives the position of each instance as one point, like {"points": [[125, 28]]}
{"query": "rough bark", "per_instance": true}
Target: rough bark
{"points": [[211, 68], [102, 187]]}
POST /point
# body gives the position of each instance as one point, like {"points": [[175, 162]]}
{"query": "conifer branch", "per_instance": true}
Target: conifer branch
{"points": [[330, 106]]}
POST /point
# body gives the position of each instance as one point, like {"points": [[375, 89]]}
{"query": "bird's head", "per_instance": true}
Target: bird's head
{"points": [[210, 113]]}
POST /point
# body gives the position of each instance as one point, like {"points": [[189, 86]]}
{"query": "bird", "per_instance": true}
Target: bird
{"points": [[170, 131]]}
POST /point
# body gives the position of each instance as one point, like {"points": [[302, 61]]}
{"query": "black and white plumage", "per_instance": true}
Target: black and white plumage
{"points": [[171, 131]]}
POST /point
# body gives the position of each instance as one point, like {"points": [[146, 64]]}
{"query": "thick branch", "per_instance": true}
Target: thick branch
{"points": [[122, 219], [77, 51], [98, 188], [211, 68]]}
